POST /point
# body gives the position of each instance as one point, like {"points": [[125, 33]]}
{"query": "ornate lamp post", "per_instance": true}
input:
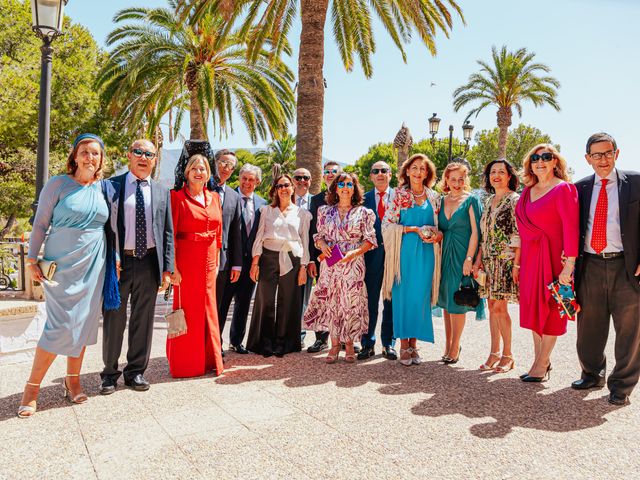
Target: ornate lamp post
{"points": [[47, 18], [467, 130]]}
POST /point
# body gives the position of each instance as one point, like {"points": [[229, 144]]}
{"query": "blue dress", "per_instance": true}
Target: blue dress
{"points": [[412, 296], [75, 216]]}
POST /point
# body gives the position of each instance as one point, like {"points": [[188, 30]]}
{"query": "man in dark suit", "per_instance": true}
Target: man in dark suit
{"points": [[608, 271], [378, 200], [302, 182], [145, 252], [242, 291]]}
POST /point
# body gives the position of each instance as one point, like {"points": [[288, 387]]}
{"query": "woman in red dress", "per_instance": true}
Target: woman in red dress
{"points": [[197, 225], [547, 217]]}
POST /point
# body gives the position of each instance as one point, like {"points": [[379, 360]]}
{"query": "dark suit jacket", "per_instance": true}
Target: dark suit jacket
{"points": [[231, 253], [374, 258], [629, 205], [249, 237], [317, 201], [162, 221]]}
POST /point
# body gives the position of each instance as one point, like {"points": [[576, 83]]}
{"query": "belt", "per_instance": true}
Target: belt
{"points": [[196, 236], [606, 255], [132, 253]]}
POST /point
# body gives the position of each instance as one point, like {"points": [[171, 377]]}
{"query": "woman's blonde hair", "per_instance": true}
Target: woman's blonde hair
{"points": [[560, 170], [193, 159], [403, 174], [443, 185]]}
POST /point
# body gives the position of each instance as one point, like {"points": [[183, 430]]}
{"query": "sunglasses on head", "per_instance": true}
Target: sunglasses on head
{"points": [[342, 184], [329, 172], [280, 186], [545, 157], [138, 152], [376, 171], [299, 178]]}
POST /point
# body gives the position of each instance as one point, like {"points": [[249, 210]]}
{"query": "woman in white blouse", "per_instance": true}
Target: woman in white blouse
{"points": [[280, 257]]}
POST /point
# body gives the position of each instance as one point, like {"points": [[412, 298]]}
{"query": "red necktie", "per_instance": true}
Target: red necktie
{"points": [[381, 208], [599, 231]]}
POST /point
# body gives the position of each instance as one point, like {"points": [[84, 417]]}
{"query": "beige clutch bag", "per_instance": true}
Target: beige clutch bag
{"points": [[48, 268], [176, 322]]}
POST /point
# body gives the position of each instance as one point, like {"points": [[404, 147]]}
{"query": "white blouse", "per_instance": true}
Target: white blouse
{"points": [[284, 232]]}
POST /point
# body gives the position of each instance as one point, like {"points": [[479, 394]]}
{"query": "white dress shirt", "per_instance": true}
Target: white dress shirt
{"points": [[303, 201], [614, 237], [130, 211]]}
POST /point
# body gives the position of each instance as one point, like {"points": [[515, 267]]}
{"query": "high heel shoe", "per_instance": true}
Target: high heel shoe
{"points": [[406, 361], [26, 411], [350, 355], [544, 378], [332, 356], [509, 366], [416, 359], [80, 398], [485, 367], [451, 361]]}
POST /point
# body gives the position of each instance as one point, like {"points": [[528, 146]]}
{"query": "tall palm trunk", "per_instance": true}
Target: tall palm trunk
{"points": [[504, 122], [198, 132], [310, 107]]}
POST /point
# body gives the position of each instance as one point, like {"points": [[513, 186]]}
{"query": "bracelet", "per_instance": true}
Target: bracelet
{"points": [[516, 266], [468, 259], [570, 262], [255, 265]]}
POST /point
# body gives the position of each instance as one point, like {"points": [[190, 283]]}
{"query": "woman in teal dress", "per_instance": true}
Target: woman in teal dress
{"points": [[72, 212], [410, 236], [459, 220]]}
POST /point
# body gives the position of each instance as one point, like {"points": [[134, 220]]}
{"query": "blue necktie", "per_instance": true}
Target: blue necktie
{"points": [[141, 222]]}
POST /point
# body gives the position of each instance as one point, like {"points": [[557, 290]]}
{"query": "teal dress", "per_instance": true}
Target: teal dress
{"points": [[412, 296], [74, 216], [457, 233]]}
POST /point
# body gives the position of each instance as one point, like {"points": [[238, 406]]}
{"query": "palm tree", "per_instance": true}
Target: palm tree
{"points": [[161, 63], [282, 152], [352, 30], [512, 79]]}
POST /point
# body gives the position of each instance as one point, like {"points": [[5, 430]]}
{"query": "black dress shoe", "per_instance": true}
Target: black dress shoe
{"points": [[389, 353], [267, 354], [365, 353], [619, 399], [108, 386], [586, 383], [239, 349], [279, 354], [138, 383], [318, 346]]}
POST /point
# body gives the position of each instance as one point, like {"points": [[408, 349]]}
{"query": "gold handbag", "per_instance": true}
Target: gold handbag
{"points": [[176, 322], [48, 268]]}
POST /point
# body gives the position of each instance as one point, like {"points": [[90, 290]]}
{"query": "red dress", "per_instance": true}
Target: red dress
{"points": [[198, 238], [548, 228]]}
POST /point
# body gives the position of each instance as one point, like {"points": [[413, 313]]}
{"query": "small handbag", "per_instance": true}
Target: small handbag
{"points": [[336, 256], [48, 268], [176, 322], [467, 295]]}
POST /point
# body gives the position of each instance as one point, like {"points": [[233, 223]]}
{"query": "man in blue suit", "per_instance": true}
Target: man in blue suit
{"points": [[378, 200], [242, 291]]}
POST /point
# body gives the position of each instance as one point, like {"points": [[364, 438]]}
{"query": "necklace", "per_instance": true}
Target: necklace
{"points": [[419, 195]]}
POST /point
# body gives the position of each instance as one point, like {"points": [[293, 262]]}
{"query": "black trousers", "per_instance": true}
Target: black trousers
{"points": [[139, 281], [241, 293], [605, 291]]}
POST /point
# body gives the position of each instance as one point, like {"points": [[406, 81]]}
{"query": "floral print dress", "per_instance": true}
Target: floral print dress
{"points": [[499, 240]]}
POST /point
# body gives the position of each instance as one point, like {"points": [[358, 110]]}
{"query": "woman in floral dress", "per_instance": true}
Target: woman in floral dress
{"points": [[338, 303], [499, 259]]}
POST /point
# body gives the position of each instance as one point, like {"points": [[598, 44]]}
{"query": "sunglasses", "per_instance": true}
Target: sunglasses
{"points": [[300, 178], [280, 186], [138, 152], [545, 157], [332, 171], [376, 171], [345, 184]]}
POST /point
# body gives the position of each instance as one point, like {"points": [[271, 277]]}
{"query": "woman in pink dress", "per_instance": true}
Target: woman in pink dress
{"points": [[547, 216]]}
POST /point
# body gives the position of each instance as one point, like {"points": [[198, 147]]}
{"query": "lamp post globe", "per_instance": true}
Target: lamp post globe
{"points": [[467, 131], [434, 124]]}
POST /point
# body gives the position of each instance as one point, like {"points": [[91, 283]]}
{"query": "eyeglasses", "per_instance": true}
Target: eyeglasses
{"points": [[138, 152], [376, 171], [300, 178], [226, 164], [345, 184], [333, 171], [280, 186], [545, 157], [598, 156]]}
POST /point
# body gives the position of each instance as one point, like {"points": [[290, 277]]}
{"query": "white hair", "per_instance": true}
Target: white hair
{"points": [[251, 169]]}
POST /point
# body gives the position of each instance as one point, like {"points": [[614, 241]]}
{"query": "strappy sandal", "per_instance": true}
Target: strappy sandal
{"points": [[406, 361], [350, 356], [332, 356], [508, 366], [485, 367], [26, 411], [79, 398], [416, 359]]}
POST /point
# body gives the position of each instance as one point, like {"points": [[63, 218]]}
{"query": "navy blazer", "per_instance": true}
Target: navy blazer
{"points": [[629, 207], [249, 237], [231, 252], [162, 221], [374, 258]]}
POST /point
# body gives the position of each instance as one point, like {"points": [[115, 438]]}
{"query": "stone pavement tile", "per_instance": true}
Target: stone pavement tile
{"points": [[190, 419]]}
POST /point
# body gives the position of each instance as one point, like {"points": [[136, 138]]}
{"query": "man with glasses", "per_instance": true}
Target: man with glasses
{"points": [[302, 181], [608, 271], [145, 250], [378, 200]]}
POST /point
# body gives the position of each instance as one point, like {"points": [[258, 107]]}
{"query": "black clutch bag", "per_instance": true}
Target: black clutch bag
{"points": [[467, 295]]}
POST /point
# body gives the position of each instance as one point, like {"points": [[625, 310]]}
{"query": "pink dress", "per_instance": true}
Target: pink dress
{"points": [[548, 228]]}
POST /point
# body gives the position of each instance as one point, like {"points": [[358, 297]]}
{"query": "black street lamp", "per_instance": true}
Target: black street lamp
{"points": [[47, 16], [467, 130]]}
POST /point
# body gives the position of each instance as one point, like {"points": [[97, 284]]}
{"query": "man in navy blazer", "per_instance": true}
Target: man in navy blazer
{"points": [[378, 200], [608, 271], [145, 250], [242, 291]]}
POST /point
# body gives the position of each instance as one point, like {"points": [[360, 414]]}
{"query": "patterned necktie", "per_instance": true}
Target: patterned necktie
{"points": [[141, 222], [381, 208], [246, 213], [599, 231]]}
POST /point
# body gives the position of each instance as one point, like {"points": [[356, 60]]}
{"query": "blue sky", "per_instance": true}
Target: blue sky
{"points": [[590, 45]]}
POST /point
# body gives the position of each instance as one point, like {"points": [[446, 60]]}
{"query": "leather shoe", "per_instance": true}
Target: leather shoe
{"points": [[586, 383], [365, 353], [108, 386], [138, 383], [356, 348], [239, 349], [619, 399], [318, 346], [389, 353]]}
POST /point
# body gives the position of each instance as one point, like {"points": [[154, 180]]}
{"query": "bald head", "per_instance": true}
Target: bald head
{"points": [[380, 175], [142, 158], [302, 181]]}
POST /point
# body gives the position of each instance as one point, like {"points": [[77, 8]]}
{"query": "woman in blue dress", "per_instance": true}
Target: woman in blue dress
{"points": [[72, 212], [411, 236], [459, 220]]}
